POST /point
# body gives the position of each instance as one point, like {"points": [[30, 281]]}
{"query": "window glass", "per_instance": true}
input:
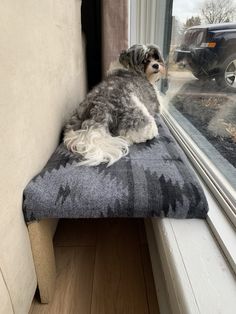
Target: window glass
{"points": [[202, 78]]}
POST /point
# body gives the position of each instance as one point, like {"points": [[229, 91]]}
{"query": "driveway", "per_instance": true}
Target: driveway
{"points": [[185, 82]]}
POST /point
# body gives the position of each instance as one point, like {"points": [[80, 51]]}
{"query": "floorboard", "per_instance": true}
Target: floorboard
{"points": [[119, 285]]}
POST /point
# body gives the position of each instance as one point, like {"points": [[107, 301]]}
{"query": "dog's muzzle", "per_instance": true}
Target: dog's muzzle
{"points": [[155, 66]]}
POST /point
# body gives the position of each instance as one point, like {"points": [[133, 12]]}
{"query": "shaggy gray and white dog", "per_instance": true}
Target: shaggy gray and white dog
{"points": [[120, 110]]}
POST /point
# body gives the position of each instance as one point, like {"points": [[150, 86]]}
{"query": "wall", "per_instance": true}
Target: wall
{"points": [[42, 79]]}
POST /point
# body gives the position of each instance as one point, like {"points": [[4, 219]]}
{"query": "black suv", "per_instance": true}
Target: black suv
{"points": [[210, 52]]}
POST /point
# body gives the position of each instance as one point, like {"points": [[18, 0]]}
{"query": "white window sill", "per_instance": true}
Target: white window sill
{"points": [[197, 277], [194, 261]]}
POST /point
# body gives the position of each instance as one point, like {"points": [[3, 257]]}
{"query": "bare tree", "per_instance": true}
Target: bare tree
{"points": [[215, 11], [177, 31]]}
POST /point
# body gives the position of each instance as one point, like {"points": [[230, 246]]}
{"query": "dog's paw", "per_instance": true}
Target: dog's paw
{"points": [[150, 131], [143, 134]]}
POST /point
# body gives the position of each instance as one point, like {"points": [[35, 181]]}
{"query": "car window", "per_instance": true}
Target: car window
{"points": [[193, 37]]}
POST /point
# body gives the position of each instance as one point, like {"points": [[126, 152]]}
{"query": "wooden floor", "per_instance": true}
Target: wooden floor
{"points": [[103, 267]]}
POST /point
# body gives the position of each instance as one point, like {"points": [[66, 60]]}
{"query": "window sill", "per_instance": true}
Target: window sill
{"points": [[197, 276], [197, 259], [219, 200]]}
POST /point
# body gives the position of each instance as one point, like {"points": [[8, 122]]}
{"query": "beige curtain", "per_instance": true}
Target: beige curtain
{"points": [[114, 30]]}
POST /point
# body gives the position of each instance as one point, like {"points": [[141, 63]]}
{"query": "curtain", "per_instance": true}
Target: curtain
{"points": [[91, 26], [115, 26]]}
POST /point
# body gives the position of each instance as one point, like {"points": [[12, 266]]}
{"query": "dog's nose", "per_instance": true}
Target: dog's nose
{"points": [[155, 66]]}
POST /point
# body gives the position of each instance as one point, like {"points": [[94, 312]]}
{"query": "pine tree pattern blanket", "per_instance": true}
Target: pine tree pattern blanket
{"points": [[154, 180]]}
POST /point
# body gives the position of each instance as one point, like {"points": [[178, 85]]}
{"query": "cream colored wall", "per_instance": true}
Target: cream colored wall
{"points": [[41, 80], [6, 306]]}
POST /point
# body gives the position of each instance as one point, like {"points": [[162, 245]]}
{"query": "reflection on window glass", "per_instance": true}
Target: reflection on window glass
{"points": [[202, 72]]}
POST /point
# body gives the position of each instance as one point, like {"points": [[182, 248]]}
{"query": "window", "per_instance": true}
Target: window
{"points": [[202, 87], [199, 102]]}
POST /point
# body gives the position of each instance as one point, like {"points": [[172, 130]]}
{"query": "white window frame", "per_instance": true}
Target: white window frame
{"points": [[219, 223]]}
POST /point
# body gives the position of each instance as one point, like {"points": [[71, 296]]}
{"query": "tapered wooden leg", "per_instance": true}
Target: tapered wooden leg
{"points": [[41, 237]]}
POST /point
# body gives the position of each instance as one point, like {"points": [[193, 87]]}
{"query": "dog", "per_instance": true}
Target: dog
{"points": [[120, 110]]}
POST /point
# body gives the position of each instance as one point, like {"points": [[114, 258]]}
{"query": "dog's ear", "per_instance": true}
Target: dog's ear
{"points": [[124, 58]]}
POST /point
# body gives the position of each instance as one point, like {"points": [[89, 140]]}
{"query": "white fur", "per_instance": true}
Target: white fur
{"points": [[140, 105], [143, 134], [145, 48], [96, 146]]}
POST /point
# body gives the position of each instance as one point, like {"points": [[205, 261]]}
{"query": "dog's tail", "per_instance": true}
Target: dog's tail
{"points": [[96, 145]]}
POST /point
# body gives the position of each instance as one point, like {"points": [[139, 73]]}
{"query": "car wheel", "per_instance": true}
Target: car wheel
{"points": [[227, 75]]}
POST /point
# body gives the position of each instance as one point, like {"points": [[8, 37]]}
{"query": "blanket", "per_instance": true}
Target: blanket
{"points": [[154, 180]]}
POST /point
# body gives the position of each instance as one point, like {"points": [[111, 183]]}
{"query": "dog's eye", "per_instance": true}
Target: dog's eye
{"points": [[157, 57], [146, 61]]}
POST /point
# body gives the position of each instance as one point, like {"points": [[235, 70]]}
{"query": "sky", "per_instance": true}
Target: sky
{"points": [[183, 9]]}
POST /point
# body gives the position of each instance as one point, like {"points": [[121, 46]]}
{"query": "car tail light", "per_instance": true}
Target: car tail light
{"points": [[211, 44]]}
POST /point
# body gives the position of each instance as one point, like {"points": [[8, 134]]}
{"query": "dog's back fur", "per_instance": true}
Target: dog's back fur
{"points": [[115, 114]]}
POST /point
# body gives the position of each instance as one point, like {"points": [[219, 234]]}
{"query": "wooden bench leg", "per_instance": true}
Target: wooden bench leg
{"points": [[41, 237]]}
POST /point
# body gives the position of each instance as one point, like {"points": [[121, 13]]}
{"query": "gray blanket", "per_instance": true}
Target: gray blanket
{"points": [[154, 180]]}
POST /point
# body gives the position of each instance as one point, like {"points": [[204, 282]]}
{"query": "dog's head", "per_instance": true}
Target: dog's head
{"points": [[145, 60]]}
